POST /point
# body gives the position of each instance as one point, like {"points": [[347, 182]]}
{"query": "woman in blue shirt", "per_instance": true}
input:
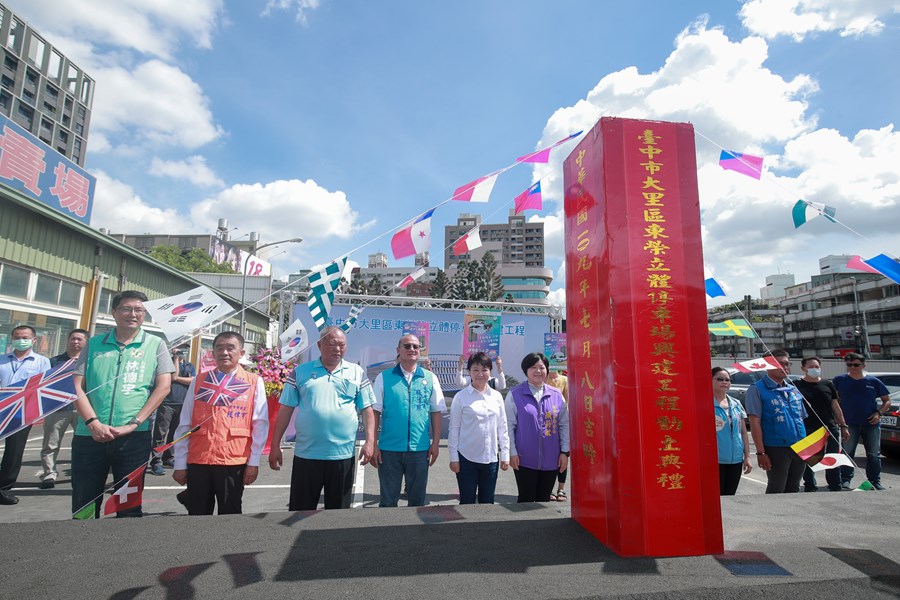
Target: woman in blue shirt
{"points": [[731, 434]]}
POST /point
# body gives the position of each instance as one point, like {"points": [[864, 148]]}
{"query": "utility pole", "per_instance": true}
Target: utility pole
{"points": [[747, 309]]}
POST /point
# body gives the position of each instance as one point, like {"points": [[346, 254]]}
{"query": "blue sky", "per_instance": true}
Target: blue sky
{"points": [[339, 121]]}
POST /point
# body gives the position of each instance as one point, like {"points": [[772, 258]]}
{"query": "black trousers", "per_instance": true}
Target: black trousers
{"points": [[13, 450], [535, 485], [164, 426], [308, 477], [729, 478], [209, 485]]}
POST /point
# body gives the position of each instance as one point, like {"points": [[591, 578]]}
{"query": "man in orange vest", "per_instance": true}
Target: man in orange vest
{"points": [[228, 406]]}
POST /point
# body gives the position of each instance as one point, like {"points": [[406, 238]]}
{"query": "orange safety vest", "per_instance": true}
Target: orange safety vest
{"points": [[226, 438]]}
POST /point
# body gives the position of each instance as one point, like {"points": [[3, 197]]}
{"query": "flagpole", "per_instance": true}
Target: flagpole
{"points": [[295, 240]]}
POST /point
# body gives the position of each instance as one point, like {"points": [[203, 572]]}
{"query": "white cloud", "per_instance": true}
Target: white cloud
{"points": [[155, 103], [727, 92], [558, 297], [137, 102], [194, 169], [285, 209], [151, 28], [720, 85], [118, 207], [302, 8], [797, 18]]}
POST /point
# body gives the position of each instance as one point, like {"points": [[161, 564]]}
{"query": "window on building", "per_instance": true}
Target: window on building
{"points": [[47, 289], [5, 102], [53, 65], [16, 36], [71, 78], [36, 51], [14, 282], [24, 115], [7, 82], [87, 91], [69, 294]]}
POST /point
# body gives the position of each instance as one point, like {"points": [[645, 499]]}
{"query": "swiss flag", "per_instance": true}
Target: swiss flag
{"points": [[757, 364], [129, 494]]}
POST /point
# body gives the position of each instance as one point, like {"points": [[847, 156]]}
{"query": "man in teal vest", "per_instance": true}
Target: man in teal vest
{"points": [[409, 403], [121, 377], [776, 412]]}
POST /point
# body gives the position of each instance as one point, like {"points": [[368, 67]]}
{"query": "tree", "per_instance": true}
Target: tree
{"points": [[462, 286], [193, 260], [357, 285], [491, 281], [377, 287], [440, 287]]}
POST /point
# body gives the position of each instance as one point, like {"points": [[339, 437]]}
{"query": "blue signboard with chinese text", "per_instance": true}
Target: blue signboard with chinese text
{"points": [[33, 168]]}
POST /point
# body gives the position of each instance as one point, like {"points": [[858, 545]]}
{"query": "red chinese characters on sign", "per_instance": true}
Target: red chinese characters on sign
{"points": [[34, 169], [72, 188], [22, 160]]}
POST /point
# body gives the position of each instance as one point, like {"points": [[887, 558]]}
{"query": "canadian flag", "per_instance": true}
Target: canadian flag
{"points": [[128, 495], [757, 364]]}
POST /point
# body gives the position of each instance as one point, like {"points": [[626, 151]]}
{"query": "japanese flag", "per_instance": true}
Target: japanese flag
{"points": [[181, 315], [294, 340]]}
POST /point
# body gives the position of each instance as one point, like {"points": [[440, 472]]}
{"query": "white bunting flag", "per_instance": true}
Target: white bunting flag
{"points": [[294, 340], [187, 312]]}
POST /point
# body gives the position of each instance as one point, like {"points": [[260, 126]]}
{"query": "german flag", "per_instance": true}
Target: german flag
{"points": [[812, 448]]}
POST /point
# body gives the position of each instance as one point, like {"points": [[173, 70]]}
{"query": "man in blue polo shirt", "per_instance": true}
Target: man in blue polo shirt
{"points": [[326, 393], [408, 402], [859, 395], [776, 412]]}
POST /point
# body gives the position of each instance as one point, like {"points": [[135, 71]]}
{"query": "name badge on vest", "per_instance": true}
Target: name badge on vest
{"points": [[220, 389]]}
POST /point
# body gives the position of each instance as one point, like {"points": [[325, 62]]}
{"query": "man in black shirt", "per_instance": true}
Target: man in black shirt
{"points": [[824, 409], [169, 412]]}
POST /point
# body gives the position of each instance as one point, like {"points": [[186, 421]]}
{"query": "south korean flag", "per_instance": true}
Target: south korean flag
{"points": [[182, 315], [294, 340]]}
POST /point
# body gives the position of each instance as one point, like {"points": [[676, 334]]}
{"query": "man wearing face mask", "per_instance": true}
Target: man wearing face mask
{"points": [[17, 366], [822, 400]]}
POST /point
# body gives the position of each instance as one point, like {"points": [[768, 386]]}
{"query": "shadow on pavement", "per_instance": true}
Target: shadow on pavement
{"points": [[480, 547]]}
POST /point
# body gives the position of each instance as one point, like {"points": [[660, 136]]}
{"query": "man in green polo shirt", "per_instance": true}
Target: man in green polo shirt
{"points": [[121, 377]]}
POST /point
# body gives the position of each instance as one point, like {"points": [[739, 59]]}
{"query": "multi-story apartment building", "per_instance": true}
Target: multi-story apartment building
{"points": [[518, 248], [42, 90]]}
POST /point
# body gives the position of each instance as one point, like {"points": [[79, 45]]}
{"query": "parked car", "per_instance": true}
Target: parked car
{"points": [[890, 430]]}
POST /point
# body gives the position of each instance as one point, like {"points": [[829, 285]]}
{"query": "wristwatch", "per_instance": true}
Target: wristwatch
{"points": [[135, 421]]}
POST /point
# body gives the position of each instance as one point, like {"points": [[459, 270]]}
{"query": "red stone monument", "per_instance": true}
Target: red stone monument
{"points": [[645, 479]]}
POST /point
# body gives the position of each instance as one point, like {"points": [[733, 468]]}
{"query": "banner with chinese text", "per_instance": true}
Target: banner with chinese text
{"points": [[482, 332], [33, 168]]}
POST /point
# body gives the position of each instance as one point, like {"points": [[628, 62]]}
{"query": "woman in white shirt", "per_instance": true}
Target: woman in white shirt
{"points": [[477, 434]]}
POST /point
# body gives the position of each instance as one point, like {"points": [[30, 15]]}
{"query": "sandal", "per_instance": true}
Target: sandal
{"points": [[560, 496], [552, 498]]}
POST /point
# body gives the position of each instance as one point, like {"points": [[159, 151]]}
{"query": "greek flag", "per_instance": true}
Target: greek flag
{"points": [[351, 318], [323, 283]]}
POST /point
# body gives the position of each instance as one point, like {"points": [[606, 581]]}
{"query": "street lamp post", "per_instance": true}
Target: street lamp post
{"points": [[865, 323], [295, 240]]}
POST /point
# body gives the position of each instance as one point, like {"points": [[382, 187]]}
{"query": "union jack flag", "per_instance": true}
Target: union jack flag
{"points": [[24, 402], [220, 389]]}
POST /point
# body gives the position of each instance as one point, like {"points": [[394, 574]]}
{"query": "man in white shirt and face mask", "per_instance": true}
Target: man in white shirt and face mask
{"points": [[15, 367]]}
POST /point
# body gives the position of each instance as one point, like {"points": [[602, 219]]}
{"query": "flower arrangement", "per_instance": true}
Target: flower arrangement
{"points": [[273, 372]]}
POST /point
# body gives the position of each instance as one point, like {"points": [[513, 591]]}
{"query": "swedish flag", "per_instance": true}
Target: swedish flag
{"points": [[732, 327]]}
